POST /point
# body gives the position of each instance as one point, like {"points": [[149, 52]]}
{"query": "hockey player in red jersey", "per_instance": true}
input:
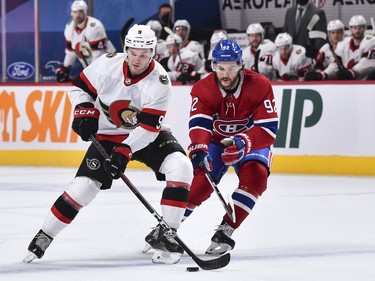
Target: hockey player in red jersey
{"points": [[85, 38], [233, 122], [122, 99]]}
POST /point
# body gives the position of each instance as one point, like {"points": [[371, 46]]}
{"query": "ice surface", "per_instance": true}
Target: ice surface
{"points": [[303, 228]]}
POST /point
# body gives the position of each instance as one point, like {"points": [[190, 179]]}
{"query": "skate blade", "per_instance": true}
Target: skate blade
{"points": [[162, 257], [216, 249], [29, 257], [146, 248]]}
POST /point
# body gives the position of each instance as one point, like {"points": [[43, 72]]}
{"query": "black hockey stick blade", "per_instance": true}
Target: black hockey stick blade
{"points": [[124, 30], [219, 262]]}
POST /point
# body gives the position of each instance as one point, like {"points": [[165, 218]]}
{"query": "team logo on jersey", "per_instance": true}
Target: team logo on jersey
{"points": [[121, 114], [93, 164], [92, 24], [110, 55], [298, 51], [227, 128], [128, 81], [163, 79]]}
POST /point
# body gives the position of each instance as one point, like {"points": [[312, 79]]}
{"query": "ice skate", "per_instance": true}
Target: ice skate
{"points": [[167, 250], [38, 246], [151, 239], [221, 241]]}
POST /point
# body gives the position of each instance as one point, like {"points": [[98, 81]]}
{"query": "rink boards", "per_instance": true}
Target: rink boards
{"points": [[324, 128]]}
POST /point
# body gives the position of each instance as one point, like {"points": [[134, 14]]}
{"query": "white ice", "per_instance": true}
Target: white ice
{"points": [[303, 228]]}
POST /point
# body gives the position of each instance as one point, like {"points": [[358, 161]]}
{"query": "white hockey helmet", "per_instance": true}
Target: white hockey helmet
{"points": [[255, 28], [140, 36], [283, 39], [184, 23], [155, 25], [357, 20], [173, 39], [79, 5], [217, 36], [335, 24]]}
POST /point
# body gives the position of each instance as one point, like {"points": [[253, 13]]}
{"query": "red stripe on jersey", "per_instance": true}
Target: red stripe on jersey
{"points": [[112, 138], [177, 184], [173, 203], [60, 216], [95, 44], [87, 82], [154, 111], [72, 202]]}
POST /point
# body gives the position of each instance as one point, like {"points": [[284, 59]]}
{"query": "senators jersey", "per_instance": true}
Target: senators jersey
{"points": [[131, 109], [216, 115], [361, 59], [190, 61], [87, 43], [295, 67], [324, 57], [260, 60]]}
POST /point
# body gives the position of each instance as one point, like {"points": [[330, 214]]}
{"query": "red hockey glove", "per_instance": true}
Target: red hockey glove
{"points": [[85, 121], [199, 156], [120, 157], [237, 148], [62, 74]]}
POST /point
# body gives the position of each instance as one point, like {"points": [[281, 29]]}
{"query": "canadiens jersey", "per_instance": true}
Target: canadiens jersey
{"points": [[131, 109], [266, 50], [190, 61], [295, 67], [216, 115], [87, 43], [361, 59]]}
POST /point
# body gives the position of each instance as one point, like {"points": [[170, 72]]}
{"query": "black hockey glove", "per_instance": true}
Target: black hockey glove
{"points": [[311, 52], [346, 74], [199, 157], [62, 74], [120, 157], [189, 77], [314, 76], [85, 121]]}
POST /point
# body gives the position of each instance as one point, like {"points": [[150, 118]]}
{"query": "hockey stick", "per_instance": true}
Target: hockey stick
{"points": [[170, 32], [216, 263], [124, 30], [229, 212]]}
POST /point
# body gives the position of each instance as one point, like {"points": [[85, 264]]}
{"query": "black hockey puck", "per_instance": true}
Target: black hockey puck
{"points": [[192, 269]]}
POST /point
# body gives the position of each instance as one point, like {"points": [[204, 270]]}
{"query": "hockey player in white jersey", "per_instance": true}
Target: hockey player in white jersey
{"points": [[182, 28], [85, 38], [161, 46], [122, 100], [258, 55], [326, 55], [290, 62], [355, 54], [183, 64]]}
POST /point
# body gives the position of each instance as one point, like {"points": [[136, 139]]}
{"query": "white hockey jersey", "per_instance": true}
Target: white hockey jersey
{"points": [[295, 67], [266, 51], [190, 61], [131, 109], [325, 57], [360, 59], [196, 47], [86, 44], [161, 50]]}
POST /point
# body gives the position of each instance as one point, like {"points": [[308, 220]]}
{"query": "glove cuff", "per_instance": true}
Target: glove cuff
{"points": [[125, 150], [246, 140], [195, 147], [86, 109]]}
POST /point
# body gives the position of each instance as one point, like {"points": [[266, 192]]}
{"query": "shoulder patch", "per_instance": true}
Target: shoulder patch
{"points": [[163, 79], [298, 51], [110, 55], [92, 24]]}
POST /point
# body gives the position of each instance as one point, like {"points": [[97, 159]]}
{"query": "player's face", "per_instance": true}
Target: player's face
{"points": [[138, 60], [255, 39], [358, 31], [284, 51], [79, 16], [335, 36], [173, 49], [181, 31], [227, 73]]}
